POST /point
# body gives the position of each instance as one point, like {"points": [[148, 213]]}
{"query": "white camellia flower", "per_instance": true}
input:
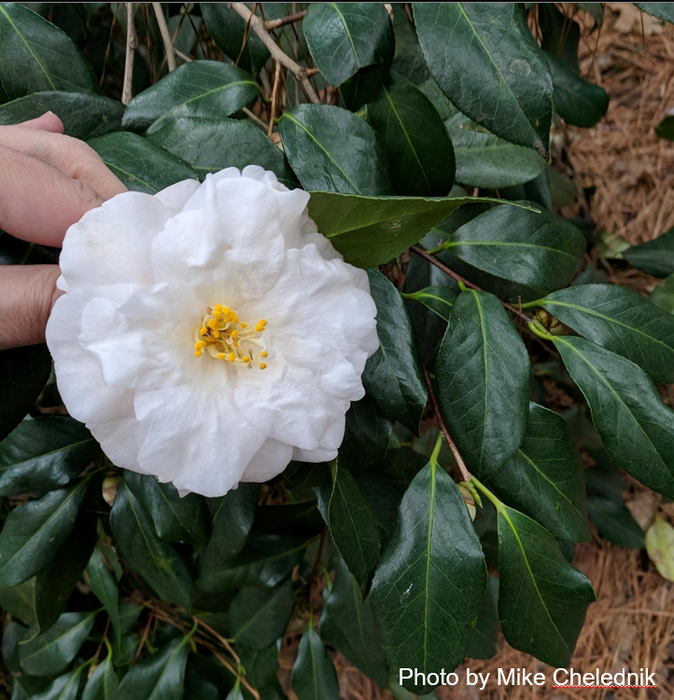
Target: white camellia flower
{"points": [[209, 334]]}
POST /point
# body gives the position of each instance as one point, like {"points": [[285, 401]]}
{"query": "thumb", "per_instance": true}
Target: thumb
{"points": [[47, 122], [27, 294]]}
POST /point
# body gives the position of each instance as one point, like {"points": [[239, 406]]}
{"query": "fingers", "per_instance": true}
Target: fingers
{"points": [[41, 139], [38, 202], [28, 294]]}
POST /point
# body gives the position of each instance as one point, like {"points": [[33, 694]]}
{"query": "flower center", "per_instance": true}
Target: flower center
{"points": [[224, 337]]}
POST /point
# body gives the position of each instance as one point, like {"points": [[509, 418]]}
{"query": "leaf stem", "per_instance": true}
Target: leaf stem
{"points": [[537, 329], [486, 492], [436, 449]]}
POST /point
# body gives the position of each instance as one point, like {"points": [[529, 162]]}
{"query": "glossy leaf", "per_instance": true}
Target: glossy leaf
{"points": [[66, 687], [440, 300], [370, 231], [521, 251], [34, 531], [661, 10], [231, 520], [196, 89], [266, 561], [175, 518], [417, 147], [153, 558], [542, 598], [259, 616], [393, 376], [103, 683], [208, 145], [36, 56], [637, 429], [84, 116], [314, 673], [615, 522], [663, 295], [485, 160], [23, 374], [23, 685], [429, 585], [352, 526], [261, 671], [659, 545], [577, 101], [332, 150], [366, 437], [161, 677], [655, 257], [348, 624], [619, 320], [544, 479], [483, 644], [139, 164], [52, 652], [44, 453], [346, 37], [482, 382], [484, 54], [104, 587], [665, 129]]}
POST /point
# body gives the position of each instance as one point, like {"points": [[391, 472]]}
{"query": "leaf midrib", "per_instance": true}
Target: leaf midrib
{"points": [[23, 462]]}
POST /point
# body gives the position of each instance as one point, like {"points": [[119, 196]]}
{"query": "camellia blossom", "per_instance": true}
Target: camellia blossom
{"points": [[209, 334]]}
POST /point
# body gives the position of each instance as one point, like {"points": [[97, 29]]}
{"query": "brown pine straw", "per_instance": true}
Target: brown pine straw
{"points": [[632, 624]]}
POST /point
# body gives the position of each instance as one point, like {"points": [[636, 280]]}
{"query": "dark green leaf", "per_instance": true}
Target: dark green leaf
{"points": [[153, 558], [231, 519], [663, 295], [408, 61], [332, 150], [665, 129], [36, 56], [440, 300], [44, 453], [65, 687], [482, 380], [175, 518], [23, 374], [370, 231], [34, 532], [197, 686], [196, 89], [661, 10], [266, 561], [619, 320], [314, 673], [345, 37], [542, 598], [366, 437], [485, 633], [485, 160], [576, 100], [429, 585], [139, 164], [393, 376], [539, 191], [615, 522], [544, 479], [84, 116], [103, 684], [352, 526], [655, 257], [104, 587], [637, 429], [161, 677], [260, 616], [484, 54], [348, 624], [525, 251], [24, 686], [51, 652], [209, 145], [418, 150]]}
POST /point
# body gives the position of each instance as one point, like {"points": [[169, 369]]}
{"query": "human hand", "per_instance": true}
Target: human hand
{"points": [[48, 181]]}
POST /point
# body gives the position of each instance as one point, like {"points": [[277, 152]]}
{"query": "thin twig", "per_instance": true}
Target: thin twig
{"points": [[131, 45], [165, 36], [241, 677], [258, 26], [433, 260], [254, 117], [274, 97], [317, 561], [219, 637], [276, 23], [465, 474]]}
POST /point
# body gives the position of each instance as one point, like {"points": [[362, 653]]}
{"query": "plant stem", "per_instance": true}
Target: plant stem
{"points": [[131, 45], [276, 23], [165, 36], [486, 492]]}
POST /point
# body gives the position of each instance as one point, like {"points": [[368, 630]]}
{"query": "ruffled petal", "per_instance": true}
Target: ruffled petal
{"points": [[176, 196], [271, 459]]}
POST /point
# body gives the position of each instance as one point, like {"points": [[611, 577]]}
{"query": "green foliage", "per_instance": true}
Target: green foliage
{"points": [[115, 586]]}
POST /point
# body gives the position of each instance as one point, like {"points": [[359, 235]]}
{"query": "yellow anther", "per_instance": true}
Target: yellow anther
{"points": [[244, 325], [218, 308], [216, 334], [197, 353], [234, 334], [262, 322], [213, 324], [263, 365], [231, 357], [264, 353], [199, 345], [203, 330], [221, 356], [224, 309], [245, 358]]}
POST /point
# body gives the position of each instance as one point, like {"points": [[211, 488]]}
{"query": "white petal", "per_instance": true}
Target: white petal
{"points": [[271, 459], [176, 196], [119, 439]]}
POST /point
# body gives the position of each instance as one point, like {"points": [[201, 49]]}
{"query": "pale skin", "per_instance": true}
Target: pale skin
{"points": [[48, 181]]}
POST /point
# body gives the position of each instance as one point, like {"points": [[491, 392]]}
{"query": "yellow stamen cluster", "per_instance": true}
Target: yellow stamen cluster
{"points": [[224, 337]]}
